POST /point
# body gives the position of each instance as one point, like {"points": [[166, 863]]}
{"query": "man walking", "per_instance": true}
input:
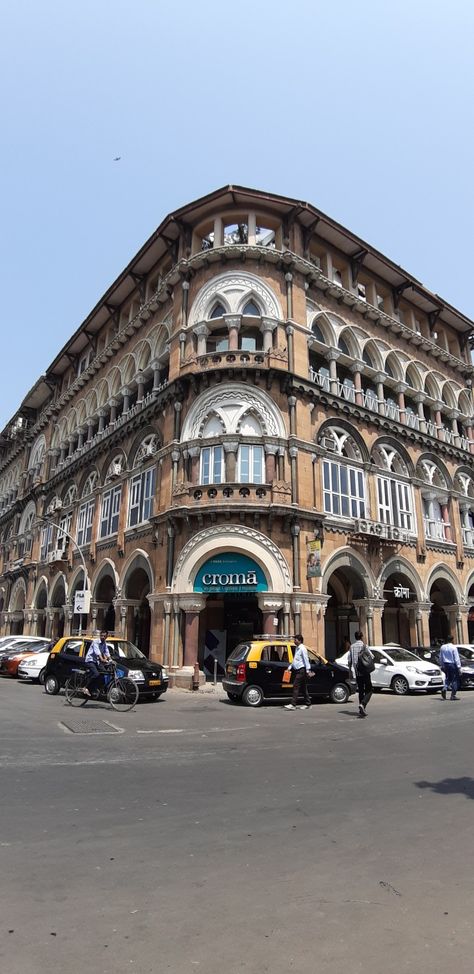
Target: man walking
{"points": [[451, 665], [360, 662], [301, 670]]}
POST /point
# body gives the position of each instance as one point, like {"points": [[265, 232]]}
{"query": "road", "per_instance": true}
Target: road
{"points": [[194, 835]]}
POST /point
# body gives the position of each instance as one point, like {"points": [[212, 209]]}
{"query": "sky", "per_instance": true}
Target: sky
{"points": [[364, 109]]}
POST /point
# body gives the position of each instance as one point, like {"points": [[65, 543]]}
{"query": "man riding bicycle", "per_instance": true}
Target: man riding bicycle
{"points": [[97, 656]]}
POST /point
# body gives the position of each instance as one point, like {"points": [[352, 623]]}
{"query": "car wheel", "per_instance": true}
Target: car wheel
{"points": [[41, 678], [252, 697], [339, 693], [400, 686], [234, 697], [51, 685]]}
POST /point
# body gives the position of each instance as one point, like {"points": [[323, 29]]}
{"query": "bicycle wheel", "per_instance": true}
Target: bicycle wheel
{"points": [[74, 690], [123, 694]]}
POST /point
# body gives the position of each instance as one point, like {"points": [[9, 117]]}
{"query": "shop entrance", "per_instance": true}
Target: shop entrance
{"points": [[442, 622], [341, 620], [226, 620], [398, 594]]}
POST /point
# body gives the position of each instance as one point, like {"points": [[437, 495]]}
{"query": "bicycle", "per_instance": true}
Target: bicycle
{"points": [[121, 692]]}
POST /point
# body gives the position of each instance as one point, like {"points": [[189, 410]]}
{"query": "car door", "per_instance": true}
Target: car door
{"points": [[67, 658], [383, 672], [274, 660]]}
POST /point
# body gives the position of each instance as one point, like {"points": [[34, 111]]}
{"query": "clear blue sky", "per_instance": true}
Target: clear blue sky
{"points": [[362, 108]]}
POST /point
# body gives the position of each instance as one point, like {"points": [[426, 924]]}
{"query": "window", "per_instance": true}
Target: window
{"points": [[83, 362], [251, 309], [275, 654], [109, 518], [395, 503], [337, 277], [435, 526], [217, 311], [46, 541], [84, 523], [250, 464], [63, 530], [218, 341], [212, 467], [344, 490], [142, 491]]}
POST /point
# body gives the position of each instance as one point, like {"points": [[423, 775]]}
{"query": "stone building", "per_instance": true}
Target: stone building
{"points": [[263, 425]]}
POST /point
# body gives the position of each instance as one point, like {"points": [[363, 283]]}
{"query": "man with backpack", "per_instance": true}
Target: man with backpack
{"points": [[361, 663]]}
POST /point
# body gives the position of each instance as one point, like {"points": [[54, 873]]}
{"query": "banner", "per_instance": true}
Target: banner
{"points": [[313, 559]]}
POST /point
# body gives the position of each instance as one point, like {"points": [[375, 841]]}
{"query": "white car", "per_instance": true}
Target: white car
{"points": [[33, 668], [9, 643], [400, 670]]}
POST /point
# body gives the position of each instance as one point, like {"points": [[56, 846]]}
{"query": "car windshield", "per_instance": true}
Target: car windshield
{"points": [[28, 647], [239, 653], [122, 649], [466, 652], [399, 655]]}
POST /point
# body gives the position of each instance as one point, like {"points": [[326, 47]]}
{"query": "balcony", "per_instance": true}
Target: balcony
{"points": [[241, 359], [196, 495], [435, 530]]}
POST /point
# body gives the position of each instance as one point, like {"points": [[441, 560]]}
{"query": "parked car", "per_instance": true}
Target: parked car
{"points": [[67, 656], [399, 670], [10, 643], [33, 667], [21, 651], [466, 655], [254, 673]]}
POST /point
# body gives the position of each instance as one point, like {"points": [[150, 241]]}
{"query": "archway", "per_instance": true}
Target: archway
{"points": [[104, 596], [442, 596], [341, 621], [137, 585], [40, 604], [17, 607], [398, 617], [57, 607]]}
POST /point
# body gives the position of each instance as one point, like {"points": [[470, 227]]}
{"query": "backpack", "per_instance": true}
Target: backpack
{"points": [[365, 661]]}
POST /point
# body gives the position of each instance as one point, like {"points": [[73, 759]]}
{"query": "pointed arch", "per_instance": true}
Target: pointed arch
{"points": [[344, 437], [323, 330], [348, 558], [233, 289], [384, 453], [106, 568], [137, 559], [400, 565], [414, 376], [445, 573], [230, 402]]}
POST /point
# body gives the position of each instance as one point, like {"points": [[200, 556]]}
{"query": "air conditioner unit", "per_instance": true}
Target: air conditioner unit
{"points": [[56, 555], [329, 443]]}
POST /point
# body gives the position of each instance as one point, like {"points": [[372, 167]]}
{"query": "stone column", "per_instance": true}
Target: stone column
{"points": [[192, 608], [332, 356], [230, 450], [90, 429], [419, 399], [155, 366], [175, 455], [289, 295], [292, 411], [140, 380], [286, 618], [171, 531], [176, 633], [400, 390], [461, 624], [201, 331], [195, 453], [293, 451], [295, 534], [270, 454], [80, 437], [71, 441], [289, 337], [101, 415], [166, 633], [184, 304], [123, 620], [453, 415], [268, 326], [233, 323], [297, 615], [177, 420], [379, 381], [113, 403], [269, 608], [356, 369], [439, 420], [54, 454], [182, 347], [126, 399], [447, 525], [422, 617], [281, 463]]}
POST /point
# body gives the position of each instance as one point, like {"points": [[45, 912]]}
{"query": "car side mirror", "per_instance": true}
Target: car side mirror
{"points": [[384, 661]]}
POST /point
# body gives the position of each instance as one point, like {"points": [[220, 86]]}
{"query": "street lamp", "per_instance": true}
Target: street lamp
{"points": [[47, 520]]}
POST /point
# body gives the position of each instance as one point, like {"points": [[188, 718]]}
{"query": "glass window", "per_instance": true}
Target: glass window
{"points": [[46, 541], [251, 309], [343, 489], [395, 503], [218, 311], [109, 519], [212, 466], [142, 491], [250, 464], [84, 523], [63, 530]]}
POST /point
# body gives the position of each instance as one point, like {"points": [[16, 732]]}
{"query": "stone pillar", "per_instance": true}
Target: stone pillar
{"points": [[176, 633], [419, 399], [400, 390], [422, 617], [293, 451], [439, 420], [195, 453], [80, 437], [269, 608], [192, 608], [356, 369], [447, 525], [379, 381], [233, 323], [461, 624], [54, 458], [270, 454], [72, 441], [201, 331], [230, 450], [182, 347], [291, 356], [101, 415], [332, 356], [281, 463], [113, 410], [289, 295], [175, 455], [166, 633], [295, 534], [297, 616], [140, 380], [268, 326], [90, 429], [177, 420], [286, 618], [292, 411], [123, 621], [184, 305], [126, 399], [155, 366], [171, 531]]}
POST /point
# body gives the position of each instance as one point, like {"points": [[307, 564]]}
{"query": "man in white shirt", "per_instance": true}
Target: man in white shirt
{"points": [[450, 663], [302, 670]]}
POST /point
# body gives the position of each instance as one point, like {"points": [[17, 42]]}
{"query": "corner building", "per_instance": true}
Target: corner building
{"points": [[263, 425]]}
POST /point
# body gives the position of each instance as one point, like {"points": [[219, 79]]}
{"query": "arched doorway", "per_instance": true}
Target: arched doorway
{"points": [[104, 591], [139, 615], [442, 619], [41, 602], [17, 607], [58, 604], [341, 621], [398, 621]]}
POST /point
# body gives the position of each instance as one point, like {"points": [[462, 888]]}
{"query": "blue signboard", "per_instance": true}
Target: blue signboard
{"points": [[231, 573]]}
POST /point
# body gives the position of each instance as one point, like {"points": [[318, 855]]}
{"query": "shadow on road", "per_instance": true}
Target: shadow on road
{"points": [[450, 786]]}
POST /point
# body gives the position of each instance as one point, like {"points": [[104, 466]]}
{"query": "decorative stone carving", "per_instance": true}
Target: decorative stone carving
{"points": [[242, 533], [235, 289], [230, 403]]}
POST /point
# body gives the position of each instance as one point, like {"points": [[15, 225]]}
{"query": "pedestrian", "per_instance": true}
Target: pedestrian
{"points": [[301, 670], [361, 663], [450, 663]]}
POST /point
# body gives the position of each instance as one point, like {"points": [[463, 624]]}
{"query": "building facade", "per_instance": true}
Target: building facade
{"points": [[263, 426]]}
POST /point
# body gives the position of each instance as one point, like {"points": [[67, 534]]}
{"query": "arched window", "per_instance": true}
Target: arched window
{"points": [[218, 311], [343, 483], [435, 501], [90, 484], [147, 449], [251, 309], [394, 494], [367, 359], [317, 333], [342, 346], [70, 496]]}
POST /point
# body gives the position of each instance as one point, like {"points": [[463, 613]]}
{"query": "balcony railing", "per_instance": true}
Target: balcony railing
{"points": [[435, 530], [412, 420], [192, 495], [468, 537]]}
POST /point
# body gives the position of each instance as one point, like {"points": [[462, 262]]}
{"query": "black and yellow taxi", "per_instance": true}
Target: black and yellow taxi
{"points": [[254, 673], [68, 655]]}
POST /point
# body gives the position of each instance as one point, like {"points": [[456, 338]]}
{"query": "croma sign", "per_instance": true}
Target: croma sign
{"points": [[230, 573]]}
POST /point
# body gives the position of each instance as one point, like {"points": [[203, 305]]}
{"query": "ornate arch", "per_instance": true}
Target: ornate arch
{"points": [[401, 566], [231, 537], [27, 517], [245, 398], [434, 460], [233, 289], [137, 559], [335, 424], [42, 583], [17, 594], [445, 573], [106, 568], [37, 452], [395, 446], [60, 577], [348, 558]]}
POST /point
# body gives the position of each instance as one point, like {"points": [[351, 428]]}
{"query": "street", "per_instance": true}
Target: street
{"points": [[194, 835]]}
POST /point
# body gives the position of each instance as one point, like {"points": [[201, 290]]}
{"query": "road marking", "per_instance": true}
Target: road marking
{"points": [[194, 730], [168, 730]]}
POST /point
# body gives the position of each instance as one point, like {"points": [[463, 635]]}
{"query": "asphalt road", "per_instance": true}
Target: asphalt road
{"points": [[202, 836]]}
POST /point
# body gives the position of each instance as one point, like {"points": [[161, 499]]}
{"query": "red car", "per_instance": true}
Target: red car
{"points": [[10, 661]]}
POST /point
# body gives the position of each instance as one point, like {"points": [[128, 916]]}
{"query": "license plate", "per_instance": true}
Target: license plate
{"points": [[436, 680], [154, 683]]}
